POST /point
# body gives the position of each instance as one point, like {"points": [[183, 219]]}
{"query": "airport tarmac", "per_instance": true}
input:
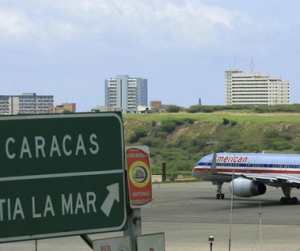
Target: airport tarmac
{"points": [[188, 213]]}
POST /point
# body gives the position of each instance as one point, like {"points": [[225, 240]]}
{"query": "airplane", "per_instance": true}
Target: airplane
{"points": [[249, 174]]}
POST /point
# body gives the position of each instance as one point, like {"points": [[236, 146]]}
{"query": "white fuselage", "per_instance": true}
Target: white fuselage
{"points": [[227, 165]]}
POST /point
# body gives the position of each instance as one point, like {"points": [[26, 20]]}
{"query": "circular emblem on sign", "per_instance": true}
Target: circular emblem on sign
{"points": [[139, 174]]}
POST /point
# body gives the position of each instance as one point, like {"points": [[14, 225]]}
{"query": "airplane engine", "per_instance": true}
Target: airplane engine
{"points": [[246, 188]]}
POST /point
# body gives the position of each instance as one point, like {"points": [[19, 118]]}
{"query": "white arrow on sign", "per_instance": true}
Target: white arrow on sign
{"points": [[113, 195]]}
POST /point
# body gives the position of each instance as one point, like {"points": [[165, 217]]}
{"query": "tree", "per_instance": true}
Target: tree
{"points": [[173, 108]]}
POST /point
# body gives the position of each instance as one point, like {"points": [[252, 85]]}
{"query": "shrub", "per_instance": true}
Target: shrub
{"points": [[273, 140], [152, 141], [189, 121], [204, 108], [137, 134], [281, 145], [173, 108], [252, 148], [168, 126], [297, 148], [250, 108], [271, 133], [226, 121], [233, 123]]}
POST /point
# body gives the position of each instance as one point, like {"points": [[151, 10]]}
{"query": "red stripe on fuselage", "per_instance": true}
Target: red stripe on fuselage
{"points": [[235, 170]]}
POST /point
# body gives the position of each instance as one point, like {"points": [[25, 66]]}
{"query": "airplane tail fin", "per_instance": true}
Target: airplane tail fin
{"points": [[214, 161]]}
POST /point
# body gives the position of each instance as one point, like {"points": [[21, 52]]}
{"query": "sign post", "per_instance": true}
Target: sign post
{"points": [[151, 242], [134, 227], [139, 189], [112, 244], [61, 175]]}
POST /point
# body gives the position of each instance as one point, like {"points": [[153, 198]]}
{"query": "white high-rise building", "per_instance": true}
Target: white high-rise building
{"points": [[126, 93], [27, 103], [243, 88]]}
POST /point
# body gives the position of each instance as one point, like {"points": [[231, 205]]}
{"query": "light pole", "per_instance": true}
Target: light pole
{"points": [[211, 240]]}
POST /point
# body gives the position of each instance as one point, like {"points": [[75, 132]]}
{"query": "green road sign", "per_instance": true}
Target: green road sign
{"points": [[61, 175]]}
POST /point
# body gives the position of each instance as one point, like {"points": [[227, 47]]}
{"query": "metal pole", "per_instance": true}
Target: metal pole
{"points": [[211, 240], [164, 172], [36, 245], [134, 227], [87, 240]]}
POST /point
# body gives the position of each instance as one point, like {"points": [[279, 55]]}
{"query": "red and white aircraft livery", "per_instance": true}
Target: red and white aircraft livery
{"points": [[250, 173]]}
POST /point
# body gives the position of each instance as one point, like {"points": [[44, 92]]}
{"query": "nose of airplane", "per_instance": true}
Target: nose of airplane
{"points": [[198, 170]]}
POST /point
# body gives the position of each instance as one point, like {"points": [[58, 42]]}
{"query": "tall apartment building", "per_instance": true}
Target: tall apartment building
{"points": [[126, 93], [243, 88], [27, 103]]}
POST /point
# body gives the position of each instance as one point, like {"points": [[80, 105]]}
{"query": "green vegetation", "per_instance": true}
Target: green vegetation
{"points": [[180, 139], [173, 108], [248, 108]]}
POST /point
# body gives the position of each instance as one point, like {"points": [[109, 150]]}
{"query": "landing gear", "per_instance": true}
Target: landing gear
{"points": [[288, 199], [220, 195]]}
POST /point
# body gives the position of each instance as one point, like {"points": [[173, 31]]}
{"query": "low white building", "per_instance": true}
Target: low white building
{"points": [[243, 88], [27, 103]]}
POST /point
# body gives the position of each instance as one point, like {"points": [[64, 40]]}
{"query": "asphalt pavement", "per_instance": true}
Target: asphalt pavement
{"points": [[189, 213]]}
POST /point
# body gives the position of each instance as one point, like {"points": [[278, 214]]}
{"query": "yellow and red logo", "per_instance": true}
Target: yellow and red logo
{"points": [[139, 176]]}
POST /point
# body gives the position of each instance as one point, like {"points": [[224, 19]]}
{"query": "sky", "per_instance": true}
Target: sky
{"points": [[67, 48]]}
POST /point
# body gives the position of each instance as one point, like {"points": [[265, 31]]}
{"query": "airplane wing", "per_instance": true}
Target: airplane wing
{"points": [[274, 180]]}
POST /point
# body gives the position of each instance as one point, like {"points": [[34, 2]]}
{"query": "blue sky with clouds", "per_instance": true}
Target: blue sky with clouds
{"points": [[68, 47]]}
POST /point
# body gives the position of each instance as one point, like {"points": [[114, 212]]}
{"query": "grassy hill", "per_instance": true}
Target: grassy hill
{"points": [[180, 139]]}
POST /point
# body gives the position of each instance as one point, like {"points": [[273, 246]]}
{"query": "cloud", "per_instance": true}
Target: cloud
{"points": [[137, 21], [17, 25], [13, 24]]}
